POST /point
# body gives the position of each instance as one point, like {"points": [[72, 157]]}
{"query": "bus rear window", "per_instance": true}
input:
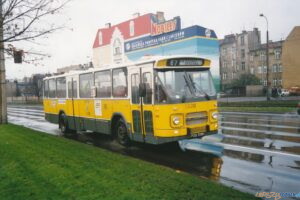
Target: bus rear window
{"points": [[46, 88]]}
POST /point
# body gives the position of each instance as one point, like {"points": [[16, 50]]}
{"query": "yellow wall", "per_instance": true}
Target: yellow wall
{"points": [[291, 59]]}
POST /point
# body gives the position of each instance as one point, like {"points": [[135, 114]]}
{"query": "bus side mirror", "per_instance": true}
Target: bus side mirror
{"points": [[142, 89]]}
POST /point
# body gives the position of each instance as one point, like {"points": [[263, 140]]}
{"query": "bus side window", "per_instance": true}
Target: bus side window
{"points": [[61, 87], [120, 82], [103, 83], [147, 81], [46, 88], [52, 88], [85, 85], [74, 89], [70, 89], [135, 80]]}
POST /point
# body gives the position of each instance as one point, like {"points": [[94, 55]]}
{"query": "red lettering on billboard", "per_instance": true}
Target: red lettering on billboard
{"points": [[165, 27]]}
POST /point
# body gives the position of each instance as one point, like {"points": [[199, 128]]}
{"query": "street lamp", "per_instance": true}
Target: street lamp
{"points": [[267, 54]]}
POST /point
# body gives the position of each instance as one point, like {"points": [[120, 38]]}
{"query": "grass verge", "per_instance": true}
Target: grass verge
{"points": [[258, 109], [40, 166]]}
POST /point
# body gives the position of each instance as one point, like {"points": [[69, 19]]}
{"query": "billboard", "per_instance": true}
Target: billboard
{"points": [[148, 35]]}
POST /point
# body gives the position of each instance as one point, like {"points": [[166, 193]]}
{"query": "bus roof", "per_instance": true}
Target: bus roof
{"points": [[143, 60]]}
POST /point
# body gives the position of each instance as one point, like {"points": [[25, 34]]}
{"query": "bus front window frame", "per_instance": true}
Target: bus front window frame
{"points": [[167, 93]]}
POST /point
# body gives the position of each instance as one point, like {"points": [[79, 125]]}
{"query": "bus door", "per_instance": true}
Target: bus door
{"points": [[72, 95], [141, 105]]}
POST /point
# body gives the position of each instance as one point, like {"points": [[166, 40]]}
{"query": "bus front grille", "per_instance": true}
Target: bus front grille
{"points": [[196, 118]]}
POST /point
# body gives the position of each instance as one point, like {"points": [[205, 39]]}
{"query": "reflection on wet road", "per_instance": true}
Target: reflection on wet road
{"points": [[252, 152]]}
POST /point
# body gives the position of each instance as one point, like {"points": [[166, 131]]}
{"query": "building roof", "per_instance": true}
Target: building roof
{"points": [[294, 34], [142, 22], [228, 39], [272, 45]]}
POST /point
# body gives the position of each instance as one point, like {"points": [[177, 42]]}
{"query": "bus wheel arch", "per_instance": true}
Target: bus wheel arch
{"points": [[119, 129]]}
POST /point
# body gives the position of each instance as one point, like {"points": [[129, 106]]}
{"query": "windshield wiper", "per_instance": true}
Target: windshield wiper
{"points": [[197, 89], [189, 84]]}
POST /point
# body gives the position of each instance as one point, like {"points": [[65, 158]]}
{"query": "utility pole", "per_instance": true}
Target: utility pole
{"points": [[267, 57], [3, 108]]}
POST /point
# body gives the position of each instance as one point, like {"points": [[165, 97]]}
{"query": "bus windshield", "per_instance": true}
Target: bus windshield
{"points": [[183, 85]]}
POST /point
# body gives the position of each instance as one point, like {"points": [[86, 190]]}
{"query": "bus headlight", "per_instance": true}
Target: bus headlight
{"points": [[214, 115], [176, 120]]}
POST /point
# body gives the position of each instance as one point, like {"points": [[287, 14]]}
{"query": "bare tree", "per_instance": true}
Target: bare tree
{"points": [[23, 20]]}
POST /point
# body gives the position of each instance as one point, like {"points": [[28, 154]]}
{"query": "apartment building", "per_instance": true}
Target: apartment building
{"points": [[234, 55]]}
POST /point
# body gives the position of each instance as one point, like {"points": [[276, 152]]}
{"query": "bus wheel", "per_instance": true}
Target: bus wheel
{"points": [[122, 133], [63, 125]]}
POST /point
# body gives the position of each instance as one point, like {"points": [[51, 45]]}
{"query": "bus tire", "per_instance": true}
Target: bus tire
{"points": [[121, 133], [63, 124]]}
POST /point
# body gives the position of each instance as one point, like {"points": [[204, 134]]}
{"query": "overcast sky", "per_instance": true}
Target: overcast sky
{"points": [[83, 18]]}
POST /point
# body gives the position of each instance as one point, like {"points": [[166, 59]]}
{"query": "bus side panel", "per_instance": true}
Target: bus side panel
{"points": [[123, 107], [103, 114], [50, 110]]}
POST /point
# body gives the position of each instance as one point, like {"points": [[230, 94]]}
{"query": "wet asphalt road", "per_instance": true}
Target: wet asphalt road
{"points": [[252, 152]]}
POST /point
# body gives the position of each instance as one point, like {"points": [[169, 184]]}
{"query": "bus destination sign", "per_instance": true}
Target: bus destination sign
{"points": [[178, 62]]}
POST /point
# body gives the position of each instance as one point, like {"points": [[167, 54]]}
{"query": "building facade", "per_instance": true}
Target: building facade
{"points": [[258, 63], [291, 59], [234, 55]]}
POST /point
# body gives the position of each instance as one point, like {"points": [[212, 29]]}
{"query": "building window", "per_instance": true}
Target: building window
{"points": [[232, 63], [242, 40], [100, 38], [224, 76], [277, 54], [117, 47], [103, 83], [259, 70], [243, 66], [243, 53], [224, 64], [279, 82], [275, 82], [265, 69], [265, 82], [251, 57], [131, 28], [120, 82], [274, 68], [279, 69], [262, 55], [251, 70], [224, 50], [233, 52]]}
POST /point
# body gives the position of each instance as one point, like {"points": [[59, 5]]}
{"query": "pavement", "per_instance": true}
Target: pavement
{"points": [[253, 152]]}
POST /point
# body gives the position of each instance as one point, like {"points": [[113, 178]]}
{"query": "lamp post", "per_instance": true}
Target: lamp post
{"points": [[267, 57]]}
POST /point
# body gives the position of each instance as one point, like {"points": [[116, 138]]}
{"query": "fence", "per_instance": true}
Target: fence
{"points": [[25, 100]]}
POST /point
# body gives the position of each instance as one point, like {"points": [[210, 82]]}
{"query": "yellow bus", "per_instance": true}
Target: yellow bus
{"points": [[155, 100]]}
